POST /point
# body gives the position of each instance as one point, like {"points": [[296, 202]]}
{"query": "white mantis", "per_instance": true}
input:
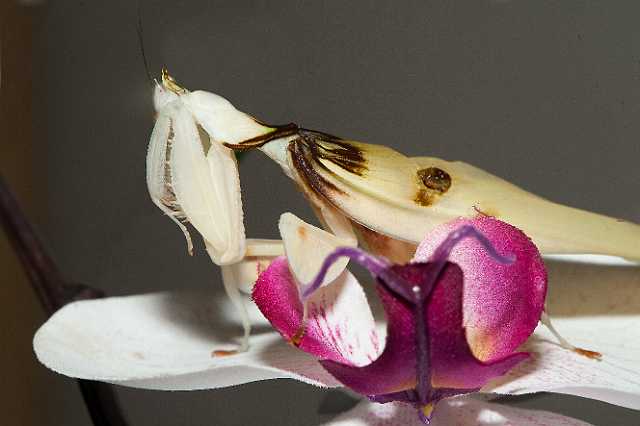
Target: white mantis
{"points": [[362, 193]]}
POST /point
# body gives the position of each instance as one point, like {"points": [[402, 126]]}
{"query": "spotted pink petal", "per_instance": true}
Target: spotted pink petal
{"points": [[502, 302], [339, 327], [451, 366]]}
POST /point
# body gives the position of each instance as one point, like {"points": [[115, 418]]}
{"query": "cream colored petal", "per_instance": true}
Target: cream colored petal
{"points": [[555, 228], [394, 195], [306, 247]]}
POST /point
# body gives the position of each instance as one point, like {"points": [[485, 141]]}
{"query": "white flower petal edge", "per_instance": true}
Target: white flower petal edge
{"points": [[454, 411], [164, 341], [592, 259]]}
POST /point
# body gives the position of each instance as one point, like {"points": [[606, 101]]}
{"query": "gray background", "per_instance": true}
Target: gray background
{"points": [[545, 94]]}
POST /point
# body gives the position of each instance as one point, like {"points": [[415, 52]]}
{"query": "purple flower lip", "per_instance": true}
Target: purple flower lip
{"points": [[427, 356]]}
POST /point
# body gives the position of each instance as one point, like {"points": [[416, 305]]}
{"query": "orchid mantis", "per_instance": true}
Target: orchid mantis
{"points": [[367, 194]]}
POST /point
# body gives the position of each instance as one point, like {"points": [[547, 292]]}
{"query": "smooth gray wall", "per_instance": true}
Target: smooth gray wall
{"points": [[545, 94]]}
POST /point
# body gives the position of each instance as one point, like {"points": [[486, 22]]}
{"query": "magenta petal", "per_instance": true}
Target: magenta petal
{"points": [[394, 370], [339, 326], [502, 303], [451, 365]]}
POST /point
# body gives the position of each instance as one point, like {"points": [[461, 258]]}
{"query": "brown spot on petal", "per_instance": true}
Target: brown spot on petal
{"points": [[297, 338], [433, 182], [423, 197], [222, 352], [589, 354], [435, 178], [302, 233]]}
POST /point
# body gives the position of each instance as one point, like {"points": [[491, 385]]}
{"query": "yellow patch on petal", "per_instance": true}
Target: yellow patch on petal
{"points": [[427, 410], [482, 344]]}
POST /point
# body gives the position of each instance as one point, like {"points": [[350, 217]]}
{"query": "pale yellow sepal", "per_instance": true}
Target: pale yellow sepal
{"points": [[306, 247]]}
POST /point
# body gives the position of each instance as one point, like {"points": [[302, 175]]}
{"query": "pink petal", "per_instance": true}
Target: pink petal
{"points": [[451, 363], [339, 327], [502, 303], [454, 364]]}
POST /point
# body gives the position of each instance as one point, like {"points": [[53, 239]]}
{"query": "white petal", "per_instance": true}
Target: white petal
{"points": [[165, 341], [593, 259], [453, 411], [208, 189], [595, 308], [157, 169], [306, 248], [341, 314], [258, 256]]}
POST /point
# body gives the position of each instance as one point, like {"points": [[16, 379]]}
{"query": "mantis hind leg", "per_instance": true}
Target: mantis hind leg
{"points": [[545, 319]]}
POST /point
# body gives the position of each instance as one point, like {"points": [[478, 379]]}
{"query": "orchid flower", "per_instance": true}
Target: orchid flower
{"points": [[165, 341], [431, 352]]}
